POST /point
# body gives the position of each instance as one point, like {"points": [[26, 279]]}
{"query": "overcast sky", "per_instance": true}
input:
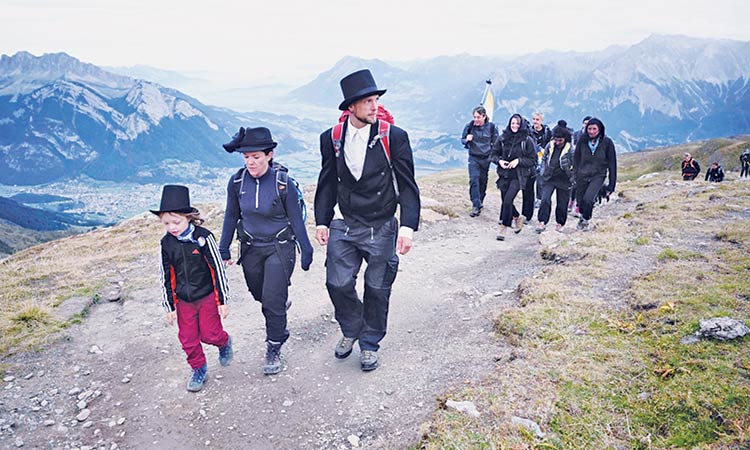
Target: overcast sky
{"points": [[293, 40]]}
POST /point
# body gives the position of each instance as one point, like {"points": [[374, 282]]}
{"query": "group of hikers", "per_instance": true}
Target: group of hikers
{"points": [[691, 169], [367, 171], [579, 167]]}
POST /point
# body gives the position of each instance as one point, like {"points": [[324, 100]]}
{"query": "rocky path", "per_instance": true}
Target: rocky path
{"points": [[118, 379]]}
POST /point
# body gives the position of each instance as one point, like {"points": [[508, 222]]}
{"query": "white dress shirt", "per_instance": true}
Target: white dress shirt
{"points": [[355, 148]]}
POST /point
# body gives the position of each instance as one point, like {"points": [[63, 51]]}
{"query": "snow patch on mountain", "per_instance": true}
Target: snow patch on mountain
{"points": [[152, 105], [514, 104], [83, 100]]}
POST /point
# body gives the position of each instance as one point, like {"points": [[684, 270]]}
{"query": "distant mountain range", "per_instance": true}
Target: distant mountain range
{"points": [[663, 90], [60, 117]]}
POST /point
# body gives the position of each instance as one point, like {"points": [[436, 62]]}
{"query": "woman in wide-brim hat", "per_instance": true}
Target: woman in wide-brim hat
{"points": [[269, 226]]}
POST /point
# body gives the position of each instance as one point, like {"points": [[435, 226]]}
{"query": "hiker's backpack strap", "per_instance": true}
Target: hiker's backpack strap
{"points": [[384, 131], [337, 136], [384, 134], [238, 182], [282, 180]]}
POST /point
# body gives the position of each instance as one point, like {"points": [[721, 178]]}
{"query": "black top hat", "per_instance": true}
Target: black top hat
{"points": [[251, 140], [357, 85], [174, 198]]}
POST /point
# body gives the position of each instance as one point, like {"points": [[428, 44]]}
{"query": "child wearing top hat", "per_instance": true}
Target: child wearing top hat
{"points": [[194, 284]]}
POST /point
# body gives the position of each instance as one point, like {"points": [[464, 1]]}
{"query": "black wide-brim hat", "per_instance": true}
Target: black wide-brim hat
{"points": [[175, 199], [251, 140], [358, 85]]}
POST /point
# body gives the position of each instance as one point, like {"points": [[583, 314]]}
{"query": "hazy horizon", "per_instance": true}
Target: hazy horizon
{"points": [[291, 42]]}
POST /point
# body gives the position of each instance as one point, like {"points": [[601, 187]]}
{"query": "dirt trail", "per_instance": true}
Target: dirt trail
{"points": [[439, 337]]}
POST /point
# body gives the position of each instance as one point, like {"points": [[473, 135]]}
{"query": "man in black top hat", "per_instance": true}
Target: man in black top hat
{"points": [[367, 178]]}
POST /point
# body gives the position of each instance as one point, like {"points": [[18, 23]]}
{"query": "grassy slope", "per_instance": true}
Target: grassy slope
{"points": [[14, 238], [598, 361]]}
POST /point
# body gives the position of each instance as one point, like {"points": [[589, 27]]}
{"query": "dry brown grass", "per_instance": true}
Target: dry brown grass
{"points": [[41, 277]]}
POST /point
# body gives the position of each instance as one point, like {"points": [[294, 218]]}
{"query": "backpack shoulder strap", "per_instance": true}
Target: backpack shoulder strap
{"points": [[282, 180], [238, 182], [336, 137], [384, 131]]}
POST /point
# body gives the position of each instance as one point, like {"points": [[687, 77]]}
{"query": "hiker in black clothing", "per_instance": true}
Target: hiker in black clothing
{"points": [[368, 176], [577, 137], [557, 175], [478, 137], [515, 156], [715, 173], [690, 168], [745, 161], [263, 209], [593, 161], [541, 134]]}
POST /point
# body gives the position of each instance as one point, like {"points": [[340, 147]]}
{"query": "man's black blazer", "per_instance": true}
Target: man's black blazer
{"points": [[326, 195]]}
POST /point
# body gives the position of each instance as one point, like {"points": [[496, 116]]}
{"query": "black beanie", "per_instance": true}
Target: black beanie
{"points": [[562, 123]]}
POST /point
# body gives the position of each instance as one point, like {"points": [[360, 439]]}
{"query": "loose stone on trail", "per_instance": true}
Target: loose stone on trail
{"points": [[465, 407]]}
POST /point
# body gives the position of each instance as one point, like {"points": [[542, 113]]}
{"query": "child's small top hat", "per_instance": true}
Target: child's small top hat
{"points": [[175, 198]]}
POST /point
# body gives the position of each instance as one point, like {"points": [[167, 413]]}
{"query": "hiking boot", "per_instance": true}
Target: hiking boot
{"points": [[570, 206], [273, 358], [501, 233], [226, 354], [475, 212], [540, 227], [578, 212], [559, 228], [199, 377], [519, 224], [344, 347], [368, 360], [583, 224]]}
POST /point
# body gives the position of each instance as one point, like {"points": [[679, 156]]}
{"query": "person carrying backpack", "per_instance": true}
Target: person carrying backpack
{"points": [[367, 170], [690, 167], [745, 162], [478, 137], [715, 173], [263, 207]]}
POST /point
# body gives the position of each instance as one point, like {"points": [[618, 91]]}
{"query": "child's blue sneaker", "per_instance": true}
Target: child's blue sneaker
{"points": [[226, 354], [199, 377]]}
